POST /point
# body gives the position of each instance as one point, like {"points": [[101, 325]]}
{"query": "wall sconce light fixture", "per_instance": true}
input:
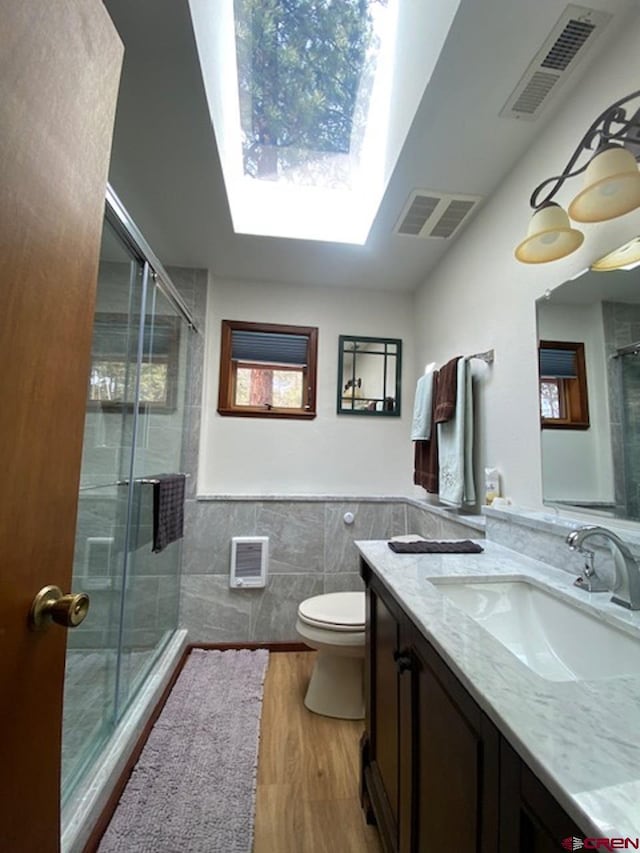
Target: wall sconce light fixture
{"points": [[611, 186], [626, 257]]}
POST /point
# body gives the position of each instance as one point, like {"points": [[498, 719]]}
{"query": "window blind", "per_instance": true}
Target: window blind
{"points": [[558, 362], [269, 347]]}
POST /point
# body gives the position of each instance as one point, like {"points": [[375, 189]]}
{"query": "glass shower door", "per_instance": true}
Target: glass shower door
{"points": [[150, 604], [134, 429], [101, 530], [630, 368]]}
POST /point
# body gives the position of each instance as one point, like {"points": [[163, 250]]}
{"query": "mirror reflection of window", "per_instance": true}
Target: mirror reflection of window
{"points": [[369, 375], [563, 385], [113, 364]]}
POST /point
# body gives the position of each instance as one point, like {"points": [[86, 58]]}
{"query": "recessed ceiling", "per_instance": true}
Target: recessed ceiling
{"points": [[166, 169]]}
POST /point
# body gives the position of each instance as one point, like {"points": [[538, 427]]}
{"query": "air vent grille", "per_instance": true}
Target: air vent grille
{"points": [[451, 218], [420, 210], [577, 29], [568, 44], [535, 92], [432, 214]]}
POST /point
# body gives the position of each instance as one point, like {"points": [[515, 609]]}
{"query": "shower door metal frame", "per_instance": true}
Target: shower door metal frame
{"points": [[120, 220]]}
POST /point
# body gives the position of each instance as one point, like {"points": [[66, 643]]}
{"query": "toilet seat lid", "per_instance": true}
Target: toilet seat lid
{"points": [[342, 611]]}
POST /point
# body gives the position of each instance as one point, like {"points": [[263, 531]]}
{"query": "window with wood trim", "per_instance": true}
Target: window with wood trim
{"points": [[267, 370], [563, 385]]}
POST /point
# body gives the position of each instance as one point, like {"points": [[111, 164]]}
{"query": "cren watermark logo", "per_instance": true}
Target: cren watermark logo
{"points": [[573, 843]]}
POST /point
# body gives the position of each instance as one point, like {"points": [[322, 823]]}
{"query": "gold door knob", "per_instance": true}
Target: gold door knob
{"points": [[51, 605]]}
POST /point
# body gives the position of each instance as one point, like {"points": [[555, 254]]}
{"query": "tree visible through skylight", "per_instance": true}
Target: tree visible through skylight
{"points": [[311, 102], [305, 76]]}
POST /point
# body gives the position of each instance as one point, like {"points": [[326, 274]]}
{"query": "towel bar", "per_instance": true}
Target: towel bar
{"points": [[147, 481]]}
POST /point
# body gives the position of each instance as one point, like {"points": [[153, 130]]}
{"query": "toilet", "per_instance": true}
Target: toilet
{"points": [[334, 624]]}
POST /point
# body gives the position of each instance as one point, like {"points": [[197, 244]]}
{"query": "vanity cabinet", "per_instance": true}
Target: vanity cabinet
{"points": [[436, 772]]}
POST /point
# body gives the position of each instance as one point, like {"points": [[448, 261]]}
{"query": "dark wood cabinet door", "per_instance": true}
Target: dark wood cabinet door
{"points": [[456, 757], [531, 820], [381, 754]]}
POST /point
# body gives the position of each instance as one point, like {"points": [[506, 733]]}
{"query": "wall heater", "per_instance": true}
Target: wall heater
{"points": [[249, 561]]}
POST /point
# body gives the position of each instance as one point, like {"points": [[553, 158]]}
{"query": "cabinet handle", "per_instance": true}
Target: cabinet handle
{"points": [[404, 661]]}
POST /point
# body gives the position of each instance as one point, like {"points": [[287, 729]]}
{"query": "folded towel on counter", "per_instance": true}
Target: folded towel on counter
{"points": [[422, 408], [168, 510], [455, 446], [458, 546], [408, 537], [447, 391], [425, 462]]}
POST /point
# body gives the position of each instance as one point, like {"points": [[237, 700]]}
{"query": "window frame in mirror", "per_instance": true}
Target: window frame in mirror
{"points": [[395, 412], [572, 391]]}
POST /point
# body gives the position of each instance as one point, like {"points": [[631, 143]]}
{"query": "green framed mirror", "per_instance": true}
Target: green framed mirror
{"points": [[369, 371]]}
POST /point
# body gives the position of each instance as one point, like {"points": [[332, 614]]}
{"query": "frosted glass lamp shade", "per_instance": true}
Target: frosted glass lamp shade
{"points": [[625, 258], [549, 238], [611, 187]]}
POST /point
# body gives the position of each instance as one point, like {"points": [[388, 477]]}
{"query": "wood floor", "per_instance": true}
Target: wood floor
{"points": [[308, 766]]}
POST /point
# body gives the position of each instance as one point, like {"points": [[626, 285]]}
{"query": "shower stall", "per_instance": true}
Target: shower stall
{"points": [[628, 414], [135, 423]]}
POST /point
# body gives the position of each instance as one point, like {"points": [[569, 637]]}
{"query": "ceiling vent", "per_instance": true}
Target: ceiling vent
{"points": [[434, 214], [570, 39]]}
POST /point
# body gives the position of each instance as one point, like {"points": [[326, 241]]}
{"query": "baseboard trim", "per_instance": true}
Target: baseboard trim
{"points": [[271, 647]]}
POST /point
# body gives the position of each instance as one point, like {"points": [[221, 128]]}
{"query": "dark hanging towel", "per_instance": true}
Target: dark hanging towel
{"points": [[445, 399], [168, 510]]}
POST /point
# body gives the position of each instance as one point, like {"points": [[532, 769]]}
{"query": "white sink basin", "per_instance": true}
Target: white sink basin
{"points": [[552, 637]]}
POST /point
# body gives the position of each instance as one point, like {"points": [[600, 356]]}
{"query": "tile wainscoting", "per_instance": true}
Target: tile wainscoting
{"points": [[311, 551]]}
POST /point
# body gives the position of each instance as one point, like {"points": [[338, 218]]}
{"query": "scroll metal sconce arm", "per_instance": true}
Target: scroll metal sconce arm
{"points": [[611, 186], [601, 129]]}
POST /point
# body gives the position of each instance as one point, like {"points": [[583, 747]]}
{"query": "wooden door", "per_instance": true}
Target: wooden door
{"points": [[59, 72]]}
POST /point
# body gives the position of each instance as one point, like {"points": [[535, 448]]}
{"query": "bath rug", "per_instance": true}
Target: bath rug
{"points": [[193, 789]]}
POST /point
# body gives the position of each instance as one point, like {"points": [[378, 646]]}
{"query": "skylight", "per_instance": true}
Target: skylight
{"points": [[311, 101]]}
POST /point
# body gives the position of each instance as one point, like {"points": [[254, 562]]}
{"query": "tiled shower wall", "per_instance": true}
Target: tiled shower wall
{"points": [[621, 328], [311, 551]]}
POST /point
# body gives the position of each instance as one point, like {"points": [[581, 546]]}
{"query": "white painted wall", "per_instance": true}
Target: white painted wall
{"points": [[577, 465], [481, 297], [478, 298], [332, 454]]}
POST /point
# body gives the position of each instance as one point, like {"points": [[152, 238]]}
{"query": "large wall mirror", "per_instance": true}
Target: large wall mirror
{"points": [[369, 376], [596, 468]]}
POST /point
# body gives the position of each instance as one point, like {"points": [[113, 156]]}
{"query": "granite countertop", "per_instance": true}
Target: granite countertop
{"points": [[581, 738]]}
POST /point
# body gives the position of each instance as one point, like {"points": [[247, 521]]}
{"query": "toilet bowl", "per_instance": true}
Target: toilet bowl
{"points": [[334, 624]]}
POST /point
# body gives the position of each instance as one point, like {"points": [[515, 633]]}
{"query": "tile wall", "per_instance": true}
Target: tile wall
{"points": [[621, 328], [311, 552]]}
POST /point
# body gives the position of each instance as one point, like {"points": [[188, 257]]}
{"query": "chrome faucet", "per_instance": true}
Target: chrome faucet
{"points": [[626, 585], [590, 580]]}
